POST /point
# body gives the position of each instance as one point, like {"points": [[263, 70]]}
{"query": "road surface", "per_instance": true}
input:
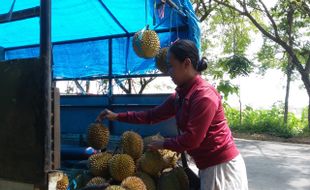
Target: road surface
{"points": [[275, 165]]}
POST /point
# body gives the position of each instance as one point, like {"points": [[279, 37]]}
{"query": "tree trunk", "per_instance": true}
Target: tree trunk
{"points": [[240, 111], [289, 68], [288, 85], [240, 103], [129, 86], [305, 79], [309, 113], [87, 86]]}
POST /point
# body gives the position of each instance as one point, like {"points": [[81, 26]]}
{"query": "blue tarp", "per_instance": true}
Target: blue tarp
{"points": [[76, 21]]}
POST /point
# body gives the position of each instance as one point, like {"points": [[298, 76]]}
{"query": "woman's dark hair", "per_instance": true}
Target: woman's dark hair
{"points": [[183, 49]]}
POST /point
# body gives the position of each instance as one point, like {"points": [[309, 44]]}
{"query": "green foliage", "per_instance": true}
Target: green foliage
{"points": [[265, 121], [267, 57], [237, 65], [226, 88], [233, 39]]}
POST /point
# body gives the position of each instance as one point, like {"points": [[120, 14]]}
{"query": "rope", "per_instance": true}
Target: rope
{"points": [[176, 23], [11, 10], [146, 12], [170, 26]]}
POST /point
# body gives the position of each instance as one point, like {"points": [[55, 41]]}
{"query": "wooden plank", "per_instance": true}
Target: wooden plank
{"points": [[56, 129], [11, 185], [22, 122], [53, 177], [2, 54]]}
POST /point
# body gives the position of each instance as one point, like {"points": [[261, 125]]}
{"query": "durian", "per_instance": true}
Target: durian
{"points": [[161, 60], [63, 183], [149, 139], [121, 166], [182, 178], [133, 183], [170, 158], [168, 180], [146, 43], [138, 164], [115, 187], [98, 164], [152, 163], [147, 180], [132, 144], [96, 181], [98, 136]]}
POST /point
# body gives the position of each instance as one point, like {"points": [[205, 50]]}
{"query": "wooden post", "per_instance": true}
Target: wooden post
{"points": [[45, 56], [2, 54]]}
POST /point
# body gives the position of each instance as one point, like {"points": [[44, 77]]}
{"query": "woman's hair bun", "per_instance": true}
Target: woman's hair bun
{"points": [[202, 64]]}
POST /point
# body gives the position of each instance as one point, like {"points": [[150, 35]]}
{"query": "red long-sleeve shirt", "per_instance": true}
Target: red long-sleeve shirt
{"points": [[199, 113]]}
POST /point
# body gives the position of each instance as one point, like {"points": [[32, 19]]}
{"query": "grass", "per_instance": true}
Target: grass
{"points": [[269, 122]]}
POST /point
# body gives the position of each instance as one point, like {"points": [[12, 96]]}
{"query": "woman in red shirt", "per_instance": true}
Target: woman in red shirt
{"points": [[200, 117]]}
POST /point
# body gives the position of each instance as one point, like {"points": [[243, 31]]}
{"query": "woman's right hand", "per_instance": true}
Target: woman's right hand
{"points": [[106, 114]]}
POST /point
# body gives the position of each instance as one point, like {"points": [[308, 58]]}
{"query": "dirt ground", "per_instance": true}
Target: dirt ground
{"points": [[266, 137]]}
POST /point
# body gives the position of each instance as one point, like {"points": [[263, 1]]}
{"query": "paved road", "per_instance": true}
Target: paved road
{"points": [[276, 166]]}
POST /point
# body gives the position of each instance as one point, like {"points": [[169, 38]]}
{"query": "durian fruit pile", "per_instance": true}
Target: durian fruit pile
{"points": [[133, 167]]}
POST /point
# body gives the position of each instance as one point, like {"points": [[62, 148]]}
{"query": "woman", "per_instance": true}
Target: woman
{"points": [[200, 117]]}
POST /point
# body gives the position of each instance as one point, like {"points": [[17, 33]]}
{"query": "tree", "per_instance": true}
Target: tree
{"points": [[130, 85], [234, 38], [267, 57], [282, 27], [286, 13]]}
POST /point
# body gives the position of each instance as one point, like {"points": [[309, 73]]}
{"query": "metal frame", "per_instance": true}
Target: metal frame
{"points": [[20, 15], [114, 77], [110, 93], [46, 56], [174, 29]]}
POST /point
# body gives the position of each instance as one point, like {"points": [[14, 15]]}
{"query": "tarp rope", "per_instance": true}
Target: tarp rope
{"points": [[11, 10]]}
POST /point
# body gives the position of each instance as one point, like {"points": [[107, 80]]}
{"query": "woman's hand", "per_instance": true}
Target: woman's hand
{"points": [[157, 144], [106, 114]]}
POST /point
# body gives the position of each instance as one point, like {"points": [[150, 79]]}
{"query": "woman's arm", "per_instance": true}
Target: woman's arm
{"points": [[202, 110], [155, 115]]}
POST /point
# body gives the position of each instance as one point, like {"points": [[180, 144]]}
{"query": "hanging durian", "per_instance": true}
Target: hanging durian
{"points": [[133, 183], [161, 60], [146, 43], [98, 164], [132, 144], [121, 166], [98, 135]]}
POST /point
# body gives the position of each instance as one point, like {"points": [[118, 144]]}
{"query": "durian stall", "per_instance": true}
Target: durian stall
{"points": [[49, 141]]}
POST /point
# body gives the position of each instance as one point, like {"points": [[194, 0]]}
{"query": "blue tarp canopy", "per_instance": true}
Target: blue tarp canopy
{"points": [[90, 35]]}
